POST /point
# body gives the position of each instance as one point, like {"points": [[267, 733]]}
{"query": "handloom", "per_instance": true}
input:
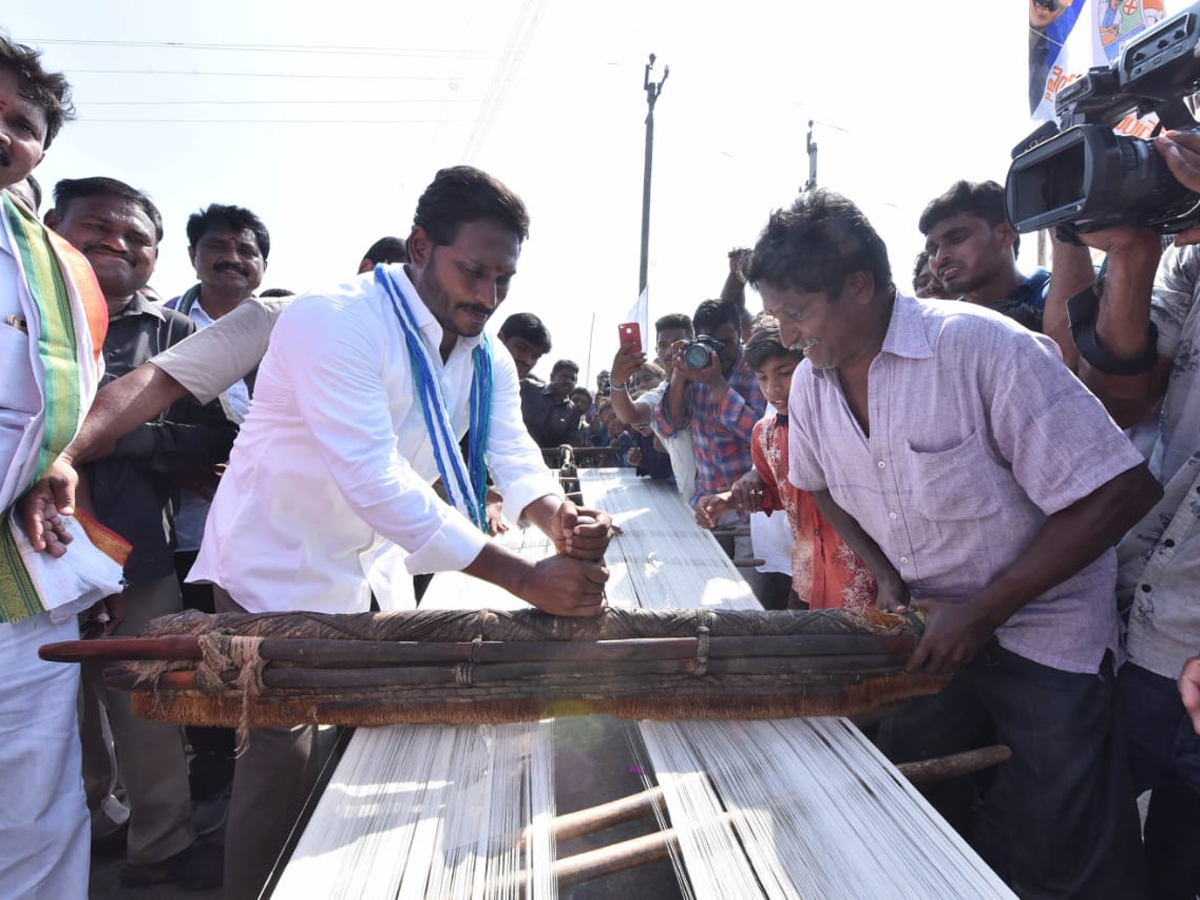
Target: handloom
{"points": [[762, 808], [486, 666], [769, 807]]}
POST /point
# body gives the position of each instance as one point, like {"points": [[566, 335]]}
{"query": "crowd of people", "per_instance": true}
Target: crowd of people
{"points": [[1014, 456]]}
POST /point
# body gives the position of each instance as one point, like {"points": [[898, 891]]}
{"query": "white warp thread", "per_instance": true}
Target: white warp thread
{"points": [[782, 808]]}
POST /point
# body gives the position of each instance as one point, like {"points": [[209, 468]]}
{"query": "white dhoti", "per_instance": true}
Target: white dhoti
{"points": [[44, 846]]}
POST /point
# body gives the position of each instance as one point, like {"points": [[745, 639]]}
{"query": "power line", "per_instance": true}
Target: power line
{"points": [[82, 120], [319, 49], [91, 103], [288, 75]]}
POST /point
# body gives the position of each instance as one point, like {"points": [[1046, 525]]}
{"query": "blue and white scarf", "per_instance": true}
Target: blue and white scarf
{"points": [[466, 483]]}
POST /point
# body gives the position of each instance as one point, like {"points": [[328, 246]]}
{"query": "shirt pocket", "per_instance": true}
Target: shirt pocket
{"points": [[18, 385], [954, 485]]}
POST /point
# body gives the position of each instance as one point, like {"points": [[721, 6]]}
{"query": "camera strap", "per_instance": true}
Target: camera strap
{"points": [[1082, 311]]}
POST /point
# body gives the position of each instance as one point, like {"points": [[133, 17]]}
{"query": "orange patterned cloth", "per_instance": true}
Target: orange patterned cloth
{"points": [[826, 573]]}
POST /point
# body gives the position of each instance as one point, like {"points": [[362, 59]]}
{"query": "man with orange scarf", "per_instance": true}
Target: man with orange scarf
{"points": [[52, 325]]}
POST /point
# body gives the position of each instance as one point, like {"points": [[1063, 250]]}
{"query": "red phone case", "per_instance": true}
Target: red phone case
{"points": [[630, 331]]}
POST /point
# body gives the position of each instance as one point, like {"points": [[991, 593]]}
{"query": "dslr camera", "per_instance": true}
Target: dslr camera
{"points": [[698, 353], [1082, 174]]}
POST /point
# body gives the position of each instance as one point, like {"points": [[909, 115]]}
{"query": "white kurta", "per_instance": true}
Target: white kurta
{"points": [[44, 839], [332, 470]]}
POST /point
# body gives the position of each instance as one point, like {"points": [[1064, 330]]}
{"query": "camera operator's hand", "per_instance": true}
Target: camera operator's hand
{"points": [[1181, 151], [679, 368], [711, 375], [1120, 240]]}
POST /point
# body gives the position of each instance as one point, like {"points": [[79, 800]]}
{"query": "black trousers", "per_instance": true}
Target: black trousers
{"points": [[1057, 820], [1164, 753], [211, 768]]}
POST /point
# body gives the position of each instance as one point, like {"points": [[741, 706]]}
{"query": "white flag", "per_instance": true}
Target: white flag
{"points": [[1068, 37]]}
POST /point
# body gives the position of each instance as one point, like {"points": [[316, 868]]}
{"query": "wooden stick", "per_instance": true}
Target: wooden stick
{"points": [[653, 847], [552, 675], [635, 806], [571, 825], [318, 652], [617, 857], [945, 767], [749, 562], [166, 648]]}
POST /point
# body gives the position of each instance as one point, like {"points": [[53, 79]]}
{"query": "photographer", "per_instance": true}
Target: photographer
{"points": [[1137, 351], [720, 401]]}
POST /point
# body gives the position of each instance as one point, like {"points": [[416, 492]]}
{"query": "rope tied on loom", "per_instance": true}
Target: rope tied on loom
{"points": [[703, 641], [232, 653], [464, 671]]}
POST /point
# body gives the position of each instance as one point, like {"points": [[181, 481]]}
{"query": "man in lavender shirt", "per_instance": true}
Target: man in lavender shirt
{"points": [[958, 445]]}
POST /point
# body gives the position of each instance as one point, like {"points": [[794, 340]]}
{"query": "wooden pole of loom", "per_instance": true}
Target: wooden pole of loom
{"points": [[650, 848]]}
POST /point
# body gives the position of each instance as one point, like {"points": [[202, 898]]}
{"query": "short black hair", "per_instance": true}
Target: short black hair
{"points": [[235, 218], [983, 199], [816, 244], [275, 292], [463, 194], [529, 327], [580, 389], [712, 314], [921, 262], [71, 189], [49, 91], [564, 364], [674, 320], [766, 344], [387, 250]]}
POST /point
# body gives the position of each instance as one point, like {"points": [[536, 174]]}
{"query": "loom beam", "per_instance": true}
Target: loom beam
{"points": [[646, 849]]}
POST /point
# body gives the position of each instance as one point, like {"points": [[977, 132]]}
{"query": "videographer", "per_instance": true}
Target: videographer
{"points": [[1137, 351]]}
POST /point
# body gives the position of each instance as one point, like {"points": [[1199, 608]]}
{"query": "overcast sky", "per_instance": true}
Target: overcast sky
{"points": [[329, 119]]}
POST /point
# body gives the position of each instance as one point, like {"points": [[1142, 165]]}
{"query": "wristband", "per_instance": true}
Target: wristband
{"points": [[1082, 310], [620, 388]]}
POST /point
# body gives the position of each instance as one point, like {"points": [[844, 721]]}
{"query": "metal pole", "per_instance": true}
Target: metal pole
{"points": [[812, 160], [652, 92]]}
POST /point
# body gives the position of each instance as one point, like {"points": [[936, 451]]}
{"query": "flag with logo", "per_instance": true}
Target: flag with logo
{"points": [[1068, 37]]}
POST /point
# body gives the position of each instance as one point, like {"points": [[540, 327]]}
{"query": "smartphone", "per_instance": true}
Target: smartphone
{"points": [[630, 331]]}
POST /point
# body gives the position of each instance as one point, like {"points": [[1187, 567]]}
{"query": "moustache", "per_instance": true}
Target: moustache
{"points": [[478, 310], [1048, 5], [229, 267], [108, 251]]}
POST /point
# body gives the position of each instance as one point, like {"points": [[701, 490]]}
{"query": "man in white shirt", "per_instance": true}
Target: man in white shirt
{"points": [[329, 490]]}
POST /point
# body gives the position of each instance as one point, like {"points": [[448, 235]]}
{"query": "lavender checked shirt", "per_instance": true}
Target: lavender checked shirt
{"points": [[978, 434]]}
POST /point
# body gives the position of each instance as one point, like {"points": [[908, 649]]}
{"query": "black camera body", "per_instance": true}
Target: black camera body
{"points": [[698, 353], [1084, 175]]}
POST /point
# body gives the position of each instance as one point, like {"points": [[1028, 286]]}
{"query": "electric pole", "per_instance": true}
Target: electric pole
{"points": [[652, 92], [811, 184]]}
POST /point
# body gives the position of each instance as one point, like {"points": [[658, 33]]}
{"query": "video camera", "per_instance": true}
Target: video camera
{"points": [[1083, 174]]}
